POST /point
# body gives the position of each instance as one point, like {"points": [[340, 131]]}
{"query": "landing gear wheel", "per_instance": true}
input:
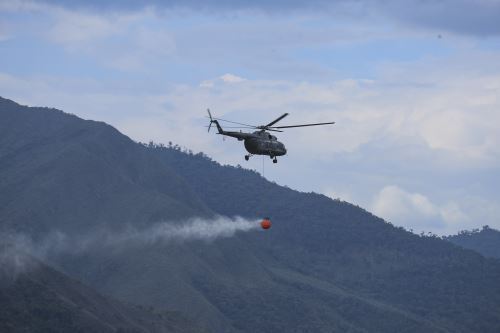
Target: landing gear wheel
{"points": [[275, 160], [247, 157]]}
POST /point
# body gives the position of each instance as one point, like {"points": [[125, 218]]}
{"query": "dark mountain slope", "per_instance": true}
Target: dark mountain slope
{"points": [[485, 241], [325, 266], [60, 172], [338, 242], [226, 287], [37, 298]]}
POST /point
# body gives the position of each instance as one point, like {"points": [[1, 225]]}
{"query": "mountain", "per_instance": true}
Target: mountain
{"points": [[37, 298], [485, 241], [344, 245], [59, 171], [324, 266]]}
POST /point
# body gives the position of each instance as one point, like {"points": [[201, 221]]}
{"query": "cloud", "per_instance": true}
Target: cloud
{"points": [[461, 127], [416, 211], [21, 5], [131, 41], [469, 17], [210, 5], [226, 78], [77, 29], [230, 78], [337, 195], [121, 41]]}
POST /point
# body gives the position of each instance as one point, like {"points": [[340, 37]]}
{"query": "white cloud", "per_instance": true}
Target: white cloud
{"points": [[474, 17], [231, 78], [394, 203], [227, 78], [20, 5], [338, 195], [124, 41], [207, 84], [416, 211], [76, 30], [461, 125]]}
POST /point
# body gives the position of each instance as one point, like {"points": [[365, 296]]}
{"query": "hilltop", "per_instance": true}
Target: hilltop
{"points": [[485, 241]]}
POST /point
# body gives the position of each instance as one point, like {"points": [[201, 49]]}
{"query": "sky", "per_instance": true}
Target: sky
{"points": [[413, 86]]}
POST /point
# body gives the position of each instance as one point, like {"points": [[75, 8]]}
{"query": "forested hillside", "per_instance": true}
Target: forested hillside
{"points": [[59, 171], [337, 241], [485, 241], [37, 298], [324, 266]]}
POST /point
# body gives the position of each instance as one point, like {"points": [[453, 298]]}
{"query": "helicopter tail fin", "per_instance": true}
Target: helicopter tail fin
{"points": [[212, 121], [219, 128]]}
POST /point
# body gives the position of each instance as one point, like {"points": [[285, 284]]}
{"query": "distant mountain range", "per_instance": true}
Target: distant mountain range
{"points": [[485, 241], [324, 266]]}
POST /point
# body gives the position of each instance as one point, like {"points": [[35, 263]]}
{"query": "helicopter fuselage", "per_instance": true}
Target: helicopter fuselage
{"points": [[256, 143], [263, 143]]}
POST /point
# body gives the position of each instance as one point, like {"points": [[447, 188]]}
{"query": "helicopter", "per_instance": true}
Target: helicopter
{"points": [[260, 142]]}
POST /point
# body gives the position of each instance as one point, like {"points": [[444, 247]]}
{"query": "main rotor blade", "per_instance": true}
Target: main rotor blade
{"points": [[242, 127], [274, 121], [234, 122], [304, 125]]}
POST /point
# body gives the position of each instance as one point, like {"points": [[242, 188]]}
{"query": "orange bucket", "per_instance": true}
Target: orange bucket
{"points": [[265, 223]]}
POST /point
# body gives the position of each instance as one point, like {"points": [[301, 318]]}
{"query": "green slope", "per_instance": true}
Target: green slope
{"points": [[325, 266], [37, 298], [58, 171], [337, 242], [485, 241]]}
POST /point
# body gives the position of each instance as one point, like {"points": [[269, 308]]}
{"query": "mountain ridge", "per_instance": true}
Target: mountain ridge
{"points": [[62, 147], [485, 241], [324, 266]]}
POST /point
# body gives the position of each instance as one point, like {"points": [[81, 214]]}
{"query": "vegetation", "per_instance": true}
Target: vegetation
{"points": [[325, 266], [338, 242], [40, 299], [485, 241]]}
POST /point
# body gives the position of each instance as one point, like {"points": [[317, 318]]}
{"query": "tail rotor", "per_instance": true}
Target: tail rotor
{"points": [[211, 120]]}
